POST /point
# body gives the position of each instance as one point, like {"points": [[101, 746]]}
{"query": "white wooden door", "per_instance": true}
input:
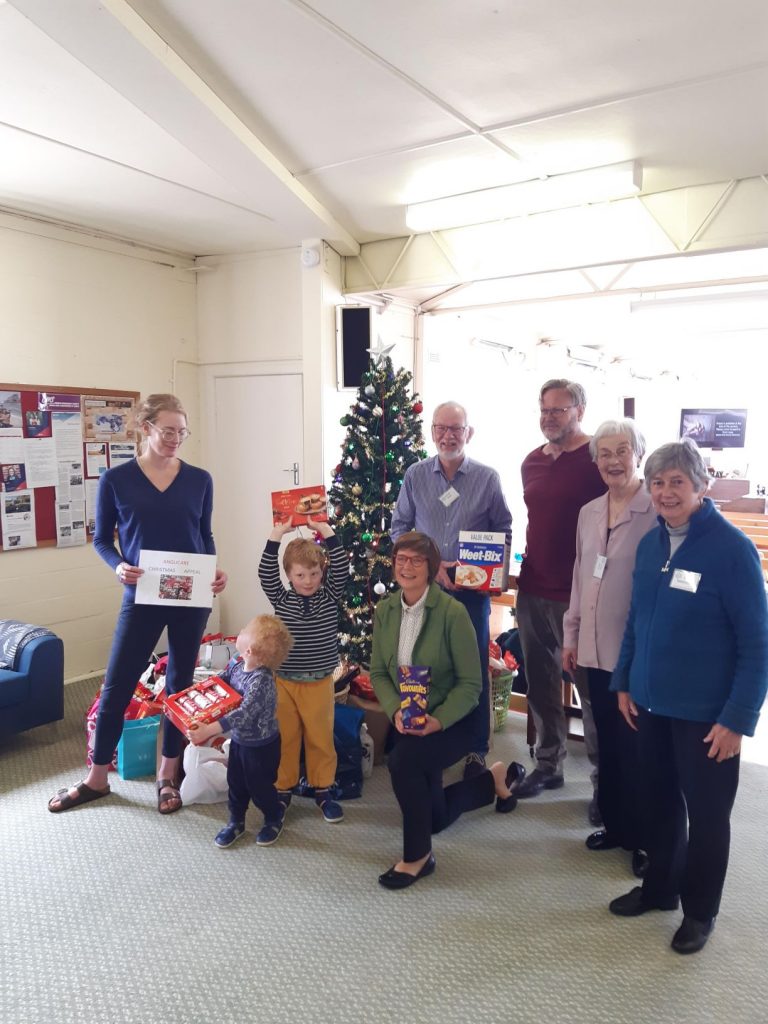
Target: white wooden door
{"points": [[259, 429]]}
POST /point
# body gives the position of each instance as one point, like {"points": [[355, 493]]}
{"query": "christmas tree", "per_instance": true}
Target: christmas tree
{"points": [[383, 439]]}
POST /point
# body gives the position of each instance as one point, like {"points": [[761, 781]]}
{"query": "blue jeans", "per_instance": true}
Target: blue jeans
{"points": [[479, 608], [137, 631]]}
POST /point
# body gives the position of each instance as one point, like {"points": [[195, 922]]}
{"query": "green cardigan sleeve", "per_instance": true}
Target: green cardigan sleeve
{"points": [[461, 641], [385, 634]]}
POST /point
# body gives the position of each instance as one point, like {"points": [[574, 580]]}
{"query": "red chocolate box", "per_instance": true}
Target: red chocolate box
{"points": [[300, 504], [201, 703]]}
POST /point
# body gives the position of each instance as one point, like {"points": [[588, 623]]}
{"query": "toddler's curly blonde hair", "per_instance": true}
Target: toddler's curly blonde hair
{"points": [[271, 637]]}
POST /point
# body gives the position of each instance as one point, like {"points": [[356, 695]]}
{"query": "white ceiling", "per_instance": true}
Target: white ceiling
{"points": [[246, 125]]}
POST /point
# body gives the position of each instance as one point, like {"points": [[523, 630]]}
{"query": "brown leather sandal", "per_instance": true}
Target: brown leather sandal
{"points": [[166, 798], [84, 796]]}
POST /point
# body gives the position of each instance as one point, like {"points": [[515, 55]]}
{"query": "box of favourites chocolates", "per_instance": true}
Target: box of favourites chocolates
{"points": [[414, 681], [482, 561], [201, 703]]}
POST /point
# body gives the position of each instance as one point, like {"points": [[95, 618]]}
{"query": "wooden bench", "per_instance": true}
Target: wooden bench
{"points": [[756, 528]]}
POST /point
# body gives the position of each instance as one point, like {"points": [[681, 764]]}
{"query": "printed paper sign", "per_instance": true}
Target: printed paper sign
{"points": [[176, 579]]}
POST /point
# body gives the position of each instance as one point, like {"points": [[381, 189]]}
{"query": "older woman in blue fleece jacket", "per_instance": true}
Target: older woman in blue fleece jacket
{"points": [[691, 679]]}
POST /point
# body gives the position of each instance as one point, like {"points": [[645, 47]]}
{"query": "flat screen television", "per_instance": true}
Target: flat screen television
{"points": [[714, 428]]}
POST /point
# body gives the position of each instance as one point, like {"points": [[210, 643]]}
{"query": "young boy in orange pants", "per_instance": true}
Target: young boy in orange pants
{"points": [[310, 610]]}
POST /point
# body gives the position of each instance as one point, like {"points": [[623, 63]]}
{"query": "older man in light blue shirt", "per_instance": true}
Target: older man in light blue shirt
{"points": [[441, 496]]}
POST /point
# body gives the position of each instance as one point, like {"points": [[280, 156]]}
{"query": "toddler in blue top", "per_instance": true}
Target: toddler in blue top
{"points": [[254, 752]]}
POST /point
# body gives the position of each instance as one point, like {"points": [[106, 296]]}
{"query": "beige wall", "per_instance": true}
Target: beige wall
{"points": [[85, 312], [80, 312]]}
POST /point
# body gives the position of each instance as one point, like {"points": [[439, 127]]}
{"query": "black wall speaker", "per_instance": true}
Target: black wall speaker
{"points": [[353, 339]]}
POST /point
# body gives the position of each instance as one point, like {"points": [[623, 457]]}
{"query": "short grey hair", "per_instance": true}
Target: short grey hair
{"points": [[682, 455], [626, 428], [576, 391], [456, 405]]}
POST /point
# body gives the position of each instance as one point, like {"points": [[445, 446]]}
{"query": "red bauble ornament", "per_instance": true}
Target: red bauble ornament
{"points": [[417, 407]]}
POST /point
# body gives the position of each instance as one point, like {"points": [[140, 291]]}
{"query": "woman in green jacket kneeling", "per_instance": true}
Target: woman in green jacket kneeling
{"points": [[423, 627]]}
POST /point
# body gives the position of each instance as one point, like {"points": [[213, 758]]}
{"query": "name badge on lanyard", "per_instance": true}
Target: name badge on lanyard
{"points": [[448, 497], [599, 568], [684, 579]]}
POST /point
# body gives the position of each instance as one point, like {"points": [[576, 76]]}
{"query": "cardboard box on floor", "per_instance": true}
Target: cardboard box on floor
{"points": [[376, 721]]}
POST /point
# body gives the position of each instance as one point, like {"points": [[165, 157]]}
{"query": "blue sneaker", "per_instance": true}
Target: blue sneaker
{"points": [[284, 796], [332, 811], [270, 832], [230, 834]]}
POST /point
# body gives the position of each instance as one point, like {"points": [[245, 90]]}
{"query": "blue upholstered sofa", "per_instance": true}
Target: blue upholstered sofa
{"points": [[34, 693]]}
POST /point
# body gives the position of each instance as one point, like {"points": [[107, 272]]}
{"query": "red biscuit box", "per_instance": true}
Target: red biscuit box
{"points": [[299, 504], [201, 703]]}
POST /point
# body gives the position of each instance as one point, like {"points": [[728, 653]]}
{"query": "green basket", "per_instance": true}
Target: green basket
{"points": [[501, 691]]}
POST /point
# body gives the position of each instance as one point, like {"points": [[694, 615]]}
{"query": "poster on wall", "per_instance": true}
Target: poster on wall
{"points": [[108, 419], [10, 414], [95, 459], [67, 430], [53, 401], [14, 476], [40, 458], [70, 524], [121, 453], [91, 497], [38, 424], [17, 514]]}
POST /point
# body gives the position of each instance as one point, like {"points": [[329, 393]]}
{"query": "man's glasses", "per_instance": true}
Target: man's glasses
{"points": [[554, 410], [171, 435], [414, 560], [440, 428]]}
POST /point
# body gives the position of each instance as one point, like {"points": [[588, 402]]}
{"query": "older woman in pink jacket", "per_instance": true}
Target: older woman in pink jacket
{"points": [[608, 532]]}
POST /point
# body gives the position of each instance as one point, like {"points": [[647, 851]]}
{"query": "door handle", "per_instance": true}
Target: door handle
{"points": [[295, 470]]}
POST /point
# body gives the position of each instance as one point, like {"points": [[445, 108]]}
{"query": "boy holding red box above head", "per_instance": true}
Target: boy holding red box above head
{"points": [[310, 610], [254, 752]]}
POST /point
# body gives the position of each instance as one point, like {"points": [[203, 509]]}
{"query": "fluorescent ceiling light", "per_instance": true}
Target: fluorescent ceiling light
{"points": [[598, 184], [694, 299]]}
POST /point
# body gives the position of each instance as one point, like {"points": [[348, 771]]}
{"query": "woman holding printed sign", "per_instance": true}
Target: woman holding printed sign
{"points": [[691, 679], [156, 502], [424, 646]]}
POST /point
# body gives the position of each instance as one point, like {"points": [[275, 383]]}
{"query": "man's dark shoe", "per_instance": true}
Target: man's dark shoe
{"points": [[537, 781], [632, 904], [692, 935], [593, 812], [640, 863], [601, 840], [474, 765]]}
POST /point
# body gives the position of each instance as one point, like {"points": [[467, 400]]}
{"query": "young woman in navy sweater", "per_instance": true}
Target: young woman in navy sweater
{"points": [[160, 503]]}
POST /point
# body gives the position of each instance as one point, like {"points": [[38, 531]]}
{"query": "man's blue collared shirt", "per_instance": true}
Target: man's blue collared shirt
{"points": [[480, 505]]}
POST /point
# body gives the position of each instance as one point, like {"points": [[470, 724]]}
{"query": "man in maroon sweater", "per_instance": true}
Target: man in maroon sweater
{"points": [[558, 478]]}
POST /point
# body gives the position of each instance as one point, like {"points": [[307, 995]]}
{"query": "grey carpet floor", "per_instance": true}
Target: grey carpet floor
{"points": [[112, 914]]}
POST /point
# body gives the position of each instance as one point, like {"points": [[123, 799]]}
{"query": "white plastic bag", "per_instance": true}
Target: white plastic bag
{"points": [[205, 781]]}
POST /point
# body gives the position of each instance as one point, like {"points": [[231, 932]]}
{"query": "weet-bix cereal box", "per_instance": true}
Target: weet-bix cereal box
{"points": [[414, 683], [481, 560]]}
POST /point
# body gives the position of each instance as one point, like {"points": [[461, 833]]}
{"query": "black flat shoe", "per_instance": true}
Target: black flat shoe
{"points": [[692, 935], [632, 904], [639, 863], [401, 879], [515, 775], [601, 840]]}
